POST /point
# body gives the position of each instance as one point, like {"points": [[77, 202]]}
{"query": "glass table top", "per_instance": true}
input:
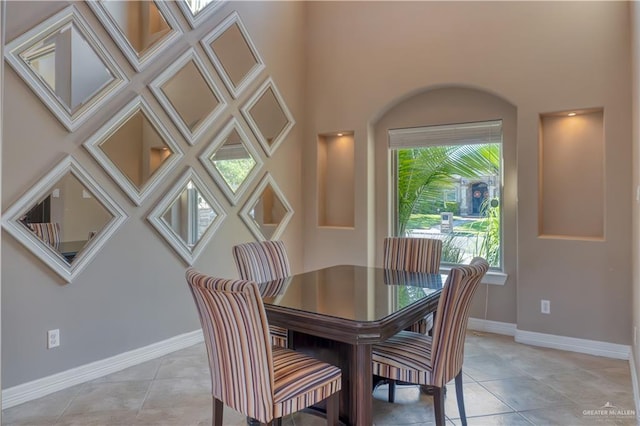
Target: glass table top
{"points": [[350, 292]]}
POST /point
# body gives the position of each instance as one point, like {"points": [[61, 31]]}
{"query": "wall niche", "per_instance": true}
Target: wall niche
{"points": [[336, 182]]}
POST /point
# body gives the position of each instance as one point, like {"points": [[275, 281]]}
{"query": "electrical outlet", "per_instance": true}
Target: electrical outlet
{"points": [[545, 306], [53, 338]]}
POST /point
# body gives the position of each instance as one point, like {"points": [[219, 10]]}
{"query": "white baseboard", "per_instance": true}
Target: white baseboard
{"points": [[572, 344], [634, 384], [489, 326], [46, 385]]}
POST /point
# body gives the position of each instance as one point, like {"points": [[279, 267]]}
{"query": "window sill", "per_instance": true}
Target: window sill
{"points": [[491, 277]]}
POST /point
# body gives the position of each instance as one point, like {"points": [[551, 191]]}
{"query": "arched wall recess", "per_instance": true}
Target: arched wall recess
{"points": [[233, 54], [153, 30], [196, 11], [232, 161], [64, 219], [136, 149], [64, 63], [189, 95], [267, 211], [187, 216], [268, 116]]}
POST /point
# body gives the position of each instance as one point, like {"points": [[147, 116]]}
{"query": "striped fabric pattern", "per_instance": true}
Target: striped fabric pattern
{"points": [[414, 255], [264, 261], [247, 374], [48, 232], [420, 359]]}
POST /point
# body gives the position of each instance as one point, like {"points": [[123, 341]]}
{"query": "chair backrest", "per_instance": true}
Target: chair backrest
{"points": [[48, 232], [262, 261], [236, 334], [412, 254], [450, 325]]}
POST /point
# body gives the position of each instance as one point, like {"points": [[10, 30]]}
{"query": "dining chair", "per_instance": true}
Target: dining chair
{"points": [[248, 374], [48, 232], [262, 261], [434, 361], [412, 255]]}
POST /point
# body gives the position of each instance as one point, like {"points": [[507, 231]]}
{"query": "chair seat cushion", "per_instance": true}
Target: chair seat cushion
{"points": [[301, 381], [405, 356], [278, 336]]}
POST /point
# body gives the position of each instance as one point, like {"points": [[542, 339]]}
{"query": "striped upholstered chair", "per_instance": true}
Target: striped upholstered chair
{"points": [[412, 255], [261, 381], [48, 232], [435, 361], [264, 261]]}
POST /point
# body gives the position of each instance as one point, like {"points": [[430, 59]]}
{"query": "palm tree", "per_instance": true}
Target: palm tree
{"points": [[424, 172]]}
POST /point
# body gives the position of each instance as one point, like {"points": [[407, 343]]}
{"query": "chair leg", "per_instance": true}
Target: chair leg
{"points": [[438, 405], [392, 390], [333, 408], [217, 409], [460, 398]]}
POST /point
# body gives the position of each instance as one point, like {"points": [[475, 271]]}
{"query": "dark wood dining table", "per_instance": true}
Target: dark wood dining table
{"points": [[338, 313]]}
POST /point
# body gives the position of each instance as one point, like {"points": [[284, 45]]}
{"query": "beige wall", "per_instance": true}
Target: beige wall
{"points": [[366, 57], [133, 293]]}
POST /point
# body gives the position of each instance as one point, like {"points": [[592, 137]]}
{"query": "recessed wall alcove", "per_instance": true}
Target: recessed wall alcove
{"points": [[571, 173], [336, 179]]}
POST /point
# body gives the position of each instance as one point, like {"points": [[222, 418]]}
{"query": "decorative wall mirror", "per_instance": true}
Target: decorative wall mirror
{"points": [[64, 219], [267, 212], [142, 29], [232, 160], [189, 95], [188, 216], [233, 54], [65, 64], [135, 149], [197, 11], [268, 116]]}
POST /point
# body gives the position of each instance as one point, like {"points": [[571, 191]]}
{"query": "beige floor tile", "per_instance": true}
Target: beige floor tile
{"points": [[145, 371], [571, 415], [507, 419], [525, 393], [103, 418], [183, 366], [478, 401], [490, 367], [108, 397], [41, 410]]}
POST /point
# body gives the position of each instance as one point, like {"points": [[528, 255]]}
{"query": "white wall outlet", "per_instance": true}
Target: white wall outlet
{"points": [[53, 338], [545, 306]]}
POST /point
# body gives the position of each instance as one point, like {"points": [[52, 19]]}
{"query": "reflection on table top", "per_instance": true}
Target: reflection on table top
{"points": [[351, 292]]}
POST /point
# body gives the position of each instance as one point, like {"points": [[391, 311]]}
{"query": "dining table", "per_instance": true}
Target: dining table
{"points": [[338, 313]]}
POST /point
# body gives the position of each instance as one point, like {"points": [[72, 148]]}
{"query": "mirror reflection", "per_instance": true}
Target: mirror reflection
{"points": [[233, 162], [268, 211], [137, 149], [189, 215], [69, 66], [235, 54], [67, 217], [196, 6], [140, 22], [269, 116]]}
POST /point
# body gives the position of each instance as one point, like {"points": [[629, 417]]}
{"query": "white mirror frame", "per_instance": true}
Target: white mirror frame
{"points": [[246, 112], [139, 62], [137, 195], [65, 16], [156, 89], [155, 217], [11, 220], [235, 91], [198, 18], [219, 140], [253, 199]]}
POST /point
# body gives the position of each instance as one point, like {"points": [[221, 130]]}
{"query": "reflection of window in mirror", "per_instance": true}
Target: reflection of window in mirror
{"points": [[233, 161], [190, 215], [140, 22]]}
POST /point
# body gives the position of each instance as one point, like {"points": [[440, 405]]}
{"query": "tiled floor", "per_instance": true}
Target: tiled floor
{"points": [[506, 383]]}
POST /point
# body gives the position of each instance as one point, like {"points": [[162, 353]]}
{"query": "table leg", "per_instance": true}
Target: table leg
{"points": [[361, 386]]}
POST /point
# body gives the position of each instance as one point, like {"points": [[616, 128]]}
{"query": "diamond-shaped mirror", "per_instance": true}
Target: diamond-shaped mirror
{"points": [[64, 63], [268, 116], [64, 219], [196, 11], [135, 149], [232, 160], [188, 216], [233, 54], [189, 95], [142, 29], [267, 212]]}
